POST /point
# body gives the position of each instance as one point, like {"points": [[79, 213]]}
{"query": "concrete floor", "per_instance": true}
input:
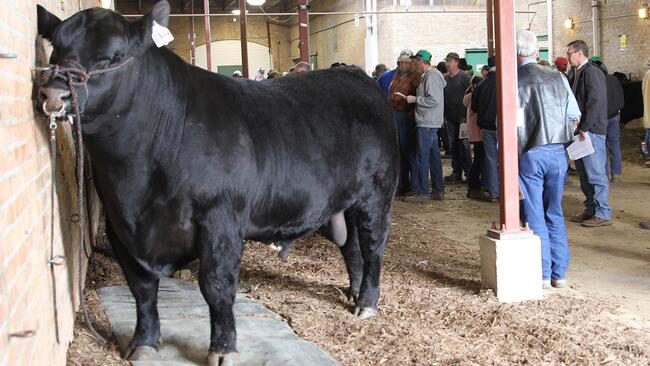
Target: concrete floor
{"points": [[611, 262]]}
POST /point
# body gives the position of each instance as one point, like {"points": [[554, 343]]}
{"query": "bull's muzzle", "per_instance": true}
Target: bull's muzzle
{"points": [[54, 99]]}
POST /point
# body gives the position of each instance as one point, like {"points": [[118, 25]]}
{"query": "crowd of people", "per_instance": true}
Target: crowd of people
{"points": [[447, 107]]}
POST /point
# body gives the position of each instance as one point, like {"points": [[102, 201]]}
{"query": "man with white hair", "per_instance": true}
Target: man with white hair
{"points": [[550, 114]]}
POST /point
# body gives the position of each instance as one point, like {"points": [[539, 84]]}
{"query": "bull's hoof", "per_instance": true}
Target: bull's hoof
{"points": [[365, 313], [141, 353], [220, 359]]}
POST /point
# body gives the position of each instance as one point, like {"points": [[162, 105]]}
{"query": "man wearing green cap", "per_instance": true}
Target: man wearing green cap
{"points": [[429, 116]]}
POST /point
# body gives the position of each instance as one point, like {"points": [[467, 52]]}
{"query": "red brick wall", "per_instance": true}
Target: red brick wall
{"points": [[26, 301]]}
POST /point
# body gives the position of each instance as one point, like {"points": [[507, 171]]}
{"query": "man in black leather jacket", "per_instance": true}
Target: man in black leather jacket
{"points": [[550, 114]]}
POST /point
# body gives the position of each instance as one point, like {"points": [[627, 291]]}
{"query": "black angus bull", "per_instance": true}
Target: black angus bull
{"points": [[190, 164]]}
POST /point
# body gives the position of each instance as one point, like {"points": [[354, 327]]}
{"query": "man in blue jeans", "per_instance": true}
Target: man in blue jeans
{"points": [[549, 108], [429, 116], [484, 104], [589, 85]]}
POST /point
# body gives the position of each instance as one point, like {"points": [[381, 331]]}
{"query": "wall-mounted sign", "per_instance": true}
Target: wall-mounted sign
{"points": [[622, 42]]}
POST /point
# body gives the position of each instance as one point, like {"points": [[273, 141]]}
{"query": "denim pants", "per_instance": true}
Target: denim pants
{"points": [[491, 166], [647, 139], [476, 174], [593, 179], [541, 177], [428, 161], [613, 143], [407, 138], [461, 157]]}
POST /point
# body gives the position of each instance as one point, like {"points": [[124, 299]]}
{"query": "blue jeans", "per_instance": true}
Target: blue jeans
{"points": [[461, 157], [593, 179], [541, 177], [491, 166], [406, 133], [613, 143], [428, 161], [647, 139]]}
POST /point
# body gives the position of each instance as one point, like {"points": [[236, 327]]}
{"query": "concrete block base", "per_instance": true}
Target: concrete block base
{"points": [[512, 266]]}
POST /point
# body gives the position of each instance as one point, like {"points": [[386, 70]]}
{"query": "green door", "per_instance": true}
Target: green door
{"points": [[476, 57], [228, 69]]}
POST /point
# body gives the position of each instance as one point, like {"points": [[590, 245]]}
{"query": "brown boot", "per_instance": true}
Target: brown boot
{"points": [[580, 218], [596, 222], [478, 194], [437, 196]]}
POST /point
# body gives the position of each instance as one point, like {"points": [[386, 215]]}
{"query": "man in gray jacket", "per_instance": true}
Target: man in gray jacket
{"points": [[429, 116]]}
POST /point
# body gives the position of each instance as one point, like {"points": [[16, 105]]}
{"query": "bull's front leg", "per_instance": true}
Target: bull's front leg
{"points": [[220, 259], [144, 288]]}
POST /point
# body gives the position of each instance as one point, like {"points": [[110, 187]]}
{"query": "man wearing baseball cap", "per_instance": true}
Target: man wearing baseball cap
{"points": [[455, 115], [405, 82], [429, 116]]}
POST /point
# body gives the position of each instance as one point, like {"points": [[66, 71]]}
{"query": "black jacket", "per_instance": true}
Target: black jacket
{"points": [[591, 94], [484, 102], [615, 98], [544, 98]]}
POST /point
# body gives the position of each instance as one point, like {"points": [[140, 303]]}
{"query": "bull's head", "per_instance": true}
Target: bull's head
{"points": [[94, 39]]}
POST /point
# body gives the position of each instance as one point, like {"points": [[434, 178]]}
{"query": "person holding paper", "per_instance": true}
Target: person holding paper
{"points": [[405, 82], [547, 107], [589, 85], [429, 116]]}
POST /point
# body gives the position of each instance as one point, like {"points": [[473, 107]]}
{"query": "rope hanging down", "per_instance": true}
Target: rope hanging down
{"points": [[75, 76]]}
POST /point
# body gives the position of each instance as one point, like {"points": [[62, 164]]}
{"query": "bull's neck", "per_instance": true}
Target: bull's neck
{"points": [[146, 116]]}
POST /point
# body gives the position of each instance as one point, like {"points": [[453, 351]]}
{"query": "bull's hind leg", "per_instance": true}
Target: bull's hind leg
{"points": [[373, 227], [220, 259], [352, 256], [144, 288]]}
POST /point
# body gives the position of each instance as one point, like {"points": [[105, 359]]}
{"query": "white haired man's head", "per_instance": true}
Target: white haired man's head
{"points": [[526, 44]]}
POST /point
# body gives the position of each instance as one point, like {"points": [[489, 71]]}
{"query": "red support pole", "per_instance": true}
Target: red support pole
{"points": [[208, 36], [489, 10], [243, 37], [507, 115], [303, 29]]}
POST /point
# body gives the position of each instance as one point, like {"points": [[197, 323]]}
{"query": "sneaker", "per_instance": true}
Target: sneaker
{"points": [[417, 199], [596, 222], [494, 199], [616, 179], [580, 218], [645, 225], [546, 284], [437, 196], [559, 283]]}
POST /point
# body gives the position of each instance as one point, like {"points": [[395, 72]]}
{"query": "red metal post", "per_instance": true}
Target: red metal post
{"points": [[208, 36], [490, 26], [243, 37], [504, 11], [303, 29]]}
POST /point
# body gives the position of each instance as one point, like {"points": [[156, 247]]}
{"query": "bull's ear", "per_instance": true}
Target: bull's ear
{"points": [[141, 28], [47, 22]]}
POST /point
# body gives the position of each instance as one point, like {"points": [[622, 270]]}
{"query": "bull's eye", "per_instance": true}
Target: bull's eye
{"points": [[117, 57]]}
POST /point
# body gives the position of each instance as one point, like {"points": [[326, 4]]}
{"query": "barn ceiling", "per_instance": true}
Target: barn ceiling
{"points": [[216, 6]]}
